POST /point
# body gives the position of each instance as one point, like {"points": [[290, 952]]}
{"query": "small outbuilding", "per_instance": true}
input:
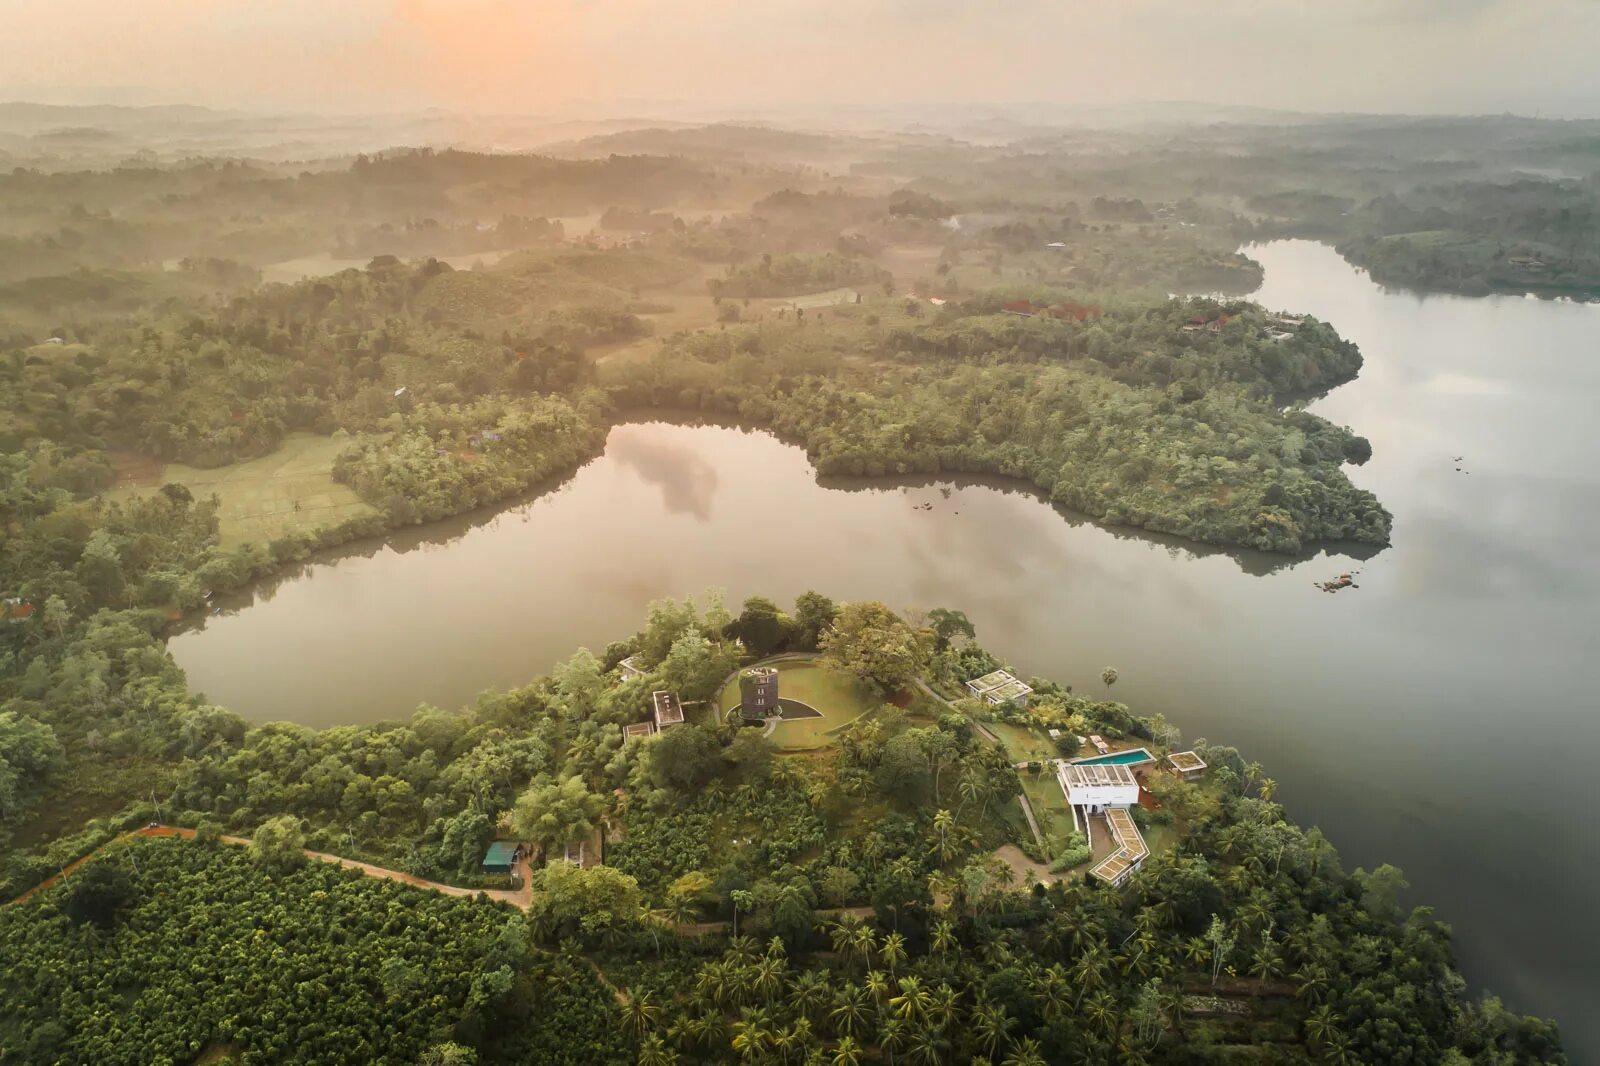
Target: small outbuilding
{"points": [[999, 687], [668, 711], [631, 668], [502, 857], [1187, 764]]}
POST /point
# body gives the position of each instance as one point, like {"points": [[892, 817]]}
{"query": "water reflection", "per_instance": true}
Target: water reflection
{"points": [[687, 480], [1381, 710]]}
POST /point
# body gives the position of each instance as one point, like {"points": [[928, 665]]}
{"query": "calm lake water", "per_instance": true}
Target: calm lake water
{"points": [[1435, 717]]}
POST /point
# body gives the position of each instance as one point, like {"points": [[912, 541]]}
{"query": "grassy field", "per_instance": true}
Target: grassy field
{"points": [[1022, 743], [262, 499], [1049, 807], [836, 697]]}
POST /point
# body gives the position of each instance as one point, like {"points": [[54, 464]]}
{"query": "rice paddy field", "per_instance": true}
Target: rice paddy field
{"points": [[837, 698], [262, 499]]}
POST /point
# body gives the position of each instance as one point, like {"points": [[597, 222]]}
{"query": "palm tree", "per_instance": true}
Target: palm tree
{"points": [[912, 1004], [1087, 973], [926, 1044], [653, 918], [653, 1052], [1336, 1049], [943, 936], [768, 978], [946, 1006], [1313, 982], [846, 1052], [866, 943], [1051, 990], [849, 1013], [893, 950], [742, 948], [892, 1038], [1026, 1053], [750, 1035], [943, 830], [682, 910], [809, 993], [989, 1025], [843, 935], [1195, 950], [877, 985], [640, 1013], [1267, 963], [1320, 1023], [1101, 1010]]}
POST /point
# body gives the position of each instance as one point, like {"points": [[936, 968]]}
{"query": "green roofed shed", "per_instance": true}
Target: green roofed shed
{"points": [[501, 857]]}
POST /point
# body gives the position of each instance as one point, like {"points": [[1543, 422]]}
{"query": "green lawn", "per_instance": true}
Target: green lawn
{"points": [[1023, 743], [259, 496], [836, 696], [1049, 807]]}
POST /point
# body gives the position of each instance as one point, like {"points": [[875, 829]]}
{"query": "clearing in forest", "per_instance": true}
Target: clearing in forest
{"points": [[836, 698], [262, 499]]}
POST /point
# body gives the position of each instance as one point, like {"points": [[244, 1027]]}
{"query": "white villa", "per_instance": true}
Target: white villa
{"points": [[1110, 790], [999, 687]]}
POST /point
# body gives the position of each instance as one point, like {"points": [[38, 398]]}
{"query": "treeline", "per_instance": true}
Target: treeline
{"points": [[796, 275], [407, 202], [1132, 418], [717, 917], [350, 351]]}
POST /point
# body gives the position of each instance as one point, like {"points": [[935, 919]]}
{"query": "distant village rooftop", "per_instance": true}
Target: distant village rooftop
{"points": [[669, 711], [999, 687]]}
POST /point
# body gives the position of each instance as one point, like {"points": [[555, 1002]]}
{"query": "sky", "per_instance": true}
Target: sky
{"points": [[544, 56]]}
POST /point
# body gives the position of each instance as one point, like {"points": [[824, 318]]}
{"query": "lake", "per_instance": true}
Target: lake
{"points": [[1434, 717]]}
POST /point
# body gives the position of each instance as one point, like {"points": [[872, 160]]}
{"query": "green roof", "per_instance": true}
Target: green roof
{"points": [[500, 853]]}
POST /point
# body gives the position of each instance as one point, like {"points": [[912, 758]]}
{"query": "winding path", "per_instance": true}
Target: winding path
{"points": [[521, 898]]}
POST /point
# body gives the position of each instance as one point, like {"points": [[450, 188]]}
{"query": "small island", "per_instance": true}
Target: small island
{"points": [[834, 833]]}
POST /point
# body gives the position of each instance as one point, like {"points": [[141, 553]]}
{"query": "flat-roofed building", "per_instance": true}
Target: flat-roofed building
{"points": [[1097, 786], [1187, 764], [999, 687], [639, 729], [1129, 852], [669, 712]]}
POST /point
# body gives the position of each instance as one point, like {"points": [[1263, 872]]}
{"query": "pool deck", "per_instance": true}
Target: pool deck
{"points": [[1116, 758]]}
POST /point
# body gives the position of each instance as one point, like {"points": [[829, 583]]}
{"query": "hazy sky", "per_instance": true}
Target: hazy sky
{"points": [[530, 56]]}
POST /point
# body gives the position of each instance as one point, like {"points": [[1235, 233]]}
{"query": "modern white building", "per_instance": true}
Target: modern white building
{"points": [[1096, 787], [1108, 789], [999, 687]]}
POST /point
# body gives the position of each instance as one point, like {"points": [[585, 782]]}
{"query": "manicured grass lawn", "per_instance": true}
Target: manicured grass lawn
{"points": [[1023, 743], [259, 495], [1049, 807], [837, 697]]}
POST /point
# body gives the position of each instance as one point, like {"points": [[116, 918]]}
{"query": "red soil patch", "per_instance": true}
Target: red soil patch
{"points": [[901, 699]]}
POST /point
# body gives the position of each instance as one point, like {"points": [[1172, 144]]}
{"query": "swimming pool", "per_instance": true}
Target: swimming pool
{"points": [[1118, 758]]}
